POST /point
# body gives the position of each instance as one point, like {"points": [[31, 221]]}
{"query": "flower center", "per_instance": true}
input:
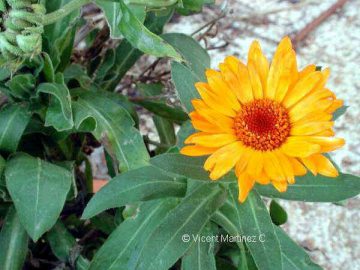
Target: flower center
{"points": [[262, 124]]}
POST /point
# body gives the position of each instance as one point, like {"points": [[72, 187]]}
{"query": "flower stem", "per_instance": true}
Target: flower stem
{"points": [[64, 11]]}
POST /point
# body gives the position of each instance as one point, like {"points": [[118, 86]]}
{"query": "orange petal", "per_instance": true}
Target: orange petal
{"points": [[223, 160], [211, 140], [259, 61], [280, 186], [297, 147], [310, 128], [255, 82], [214, 102], [245, 183], [196, 150]]}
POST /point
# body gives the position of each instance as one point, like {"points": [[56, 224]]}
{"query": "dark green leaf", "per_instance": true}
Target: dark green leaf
{"points": [[166, 131], [184, 79], [293, 256], [141, 38], [142, 184], [21, 86], [60, 35], [165, 245], [13, 121], [48, 69], [61, 241], [316, 188], [78, 73], [120, 248], [59, 113], [251, 219], [13, 242], [185, 131], [190, 167], [126, 55], [339, 112], [277, 213], [39, 190], [112, 11], [196, 57], [104, 222], [114, 126], [201, 254]]}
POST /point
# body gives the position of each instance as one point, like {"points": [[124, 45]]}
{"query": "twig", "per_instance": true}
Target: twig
{"points": [[301, 35], [209, 24], [222, 46]]}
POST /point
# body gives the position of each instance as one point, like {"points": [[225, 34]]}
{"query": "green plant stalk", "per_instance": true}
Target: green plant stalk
{"points": [[154, 3], [64, 11]]}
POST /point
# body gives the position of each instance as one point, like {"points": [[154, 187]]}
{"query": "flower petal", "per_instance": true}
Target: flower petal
{"points": [[197, 150], [259, 61], [223, 160], [302, 88], [255, 82], [245, 184], [218, 104], [298, 147], [211, 140], [310, 128]]}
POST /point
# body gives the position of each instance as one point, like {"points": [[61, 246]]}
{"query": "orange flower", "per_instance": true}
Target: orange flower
{"points": [[270, 122]]}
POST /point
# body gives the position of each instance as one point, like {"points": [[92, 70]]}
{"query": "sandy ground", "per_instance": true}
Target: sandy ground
{"points": [[329, 232]]}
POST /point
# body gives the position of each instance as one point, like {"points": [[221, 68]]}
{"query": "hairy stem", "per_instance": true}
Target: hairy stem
{"points": [[64, 11]]}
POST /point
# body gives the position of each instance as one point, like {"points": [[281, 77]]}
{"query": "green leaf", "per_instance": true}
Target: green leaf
{"points": [[13, 242], [165, 129], [251, 219], [38, 189], [121, 246], [293, 256], [185, 76], [277, 213], [2, 165], [184, 80], [319, 188], [201, 254], [59, 113], [142, 184], [61, 241], [126, 55], [185, 131], [60, 35], [190, 167], [165, 245], [78, 73], [339, 112], [21, 86], [48, 69], [13, 121], [164, 114], [114, 126], [104, 222], [113, 14], [189, 6], [158, 106], [196, 57], [142, 38]]}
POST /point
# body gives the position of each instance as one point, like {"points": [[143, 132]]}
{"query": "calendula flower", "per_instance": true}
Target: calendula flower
{"points": [[269, 122]]}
